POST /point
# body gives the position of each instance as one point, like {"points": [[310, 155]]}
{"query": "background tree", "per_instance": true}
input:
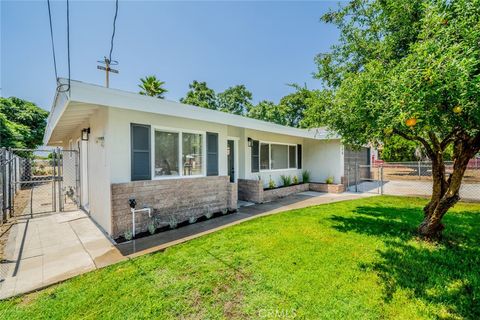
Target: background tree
{"points": [[151, 86], [294, 105], [236, 100], [200, 95], [22, 123], [409, 69], [267, 111]]}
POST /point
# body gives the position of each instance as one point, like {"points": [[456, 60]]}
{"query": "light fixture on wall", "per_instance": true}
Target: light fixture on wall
{"points": [[85, 134], [250, 142]]}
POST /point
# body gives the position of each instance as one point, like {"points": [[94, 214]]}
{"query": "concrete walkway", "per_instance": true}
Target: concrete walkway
{"points": [[163, 240], [49, 248]]}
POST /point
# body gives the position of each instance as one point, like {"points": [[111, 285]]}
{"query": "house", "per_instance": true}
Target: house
{"points": [[178, 159]]}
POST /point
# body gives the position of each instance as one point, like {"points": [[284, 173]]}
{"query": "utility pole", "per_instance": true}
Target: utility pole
{"points": [[107, 69]]}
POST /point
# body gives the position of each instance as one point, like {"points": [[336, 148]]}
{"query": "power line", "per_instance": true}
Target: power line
{"points": [[51, 37], [113, 33]]}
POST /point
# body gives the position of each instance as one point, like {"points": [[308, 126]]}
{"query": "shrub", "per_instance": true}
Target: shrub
{"points": [[271, 183], [286, 180], [151, 227], [192, 219], [295, 180], [172, 222], [209, 214], [128, 235], [329, 180], [305, 176]]}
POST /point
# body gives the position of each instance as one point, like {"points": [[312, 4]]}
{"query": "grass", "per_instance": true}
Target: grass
{"points": [[347, 260]]}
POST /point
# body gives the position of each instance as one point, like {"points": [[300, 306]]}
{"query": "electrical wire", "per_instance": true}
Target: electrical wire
{"points": [[113, 33], [51, 37], [61, 87]]}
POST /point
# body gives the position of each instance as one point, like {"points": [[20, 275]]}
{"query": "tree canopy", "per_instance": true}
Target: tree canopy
{"points": [[200, 95], [409, 69], [22, 123], [236, 100], [151, 86], [267, 111]]}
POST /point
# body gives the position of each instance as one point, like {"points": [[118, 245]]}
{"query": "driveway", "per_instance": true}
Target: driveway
{"points": [[49, 248]]}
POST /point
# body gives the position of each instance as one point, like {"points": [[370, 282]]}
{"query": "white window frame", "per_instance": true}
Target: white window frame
{"points": [[270, 156], [180, 150]]}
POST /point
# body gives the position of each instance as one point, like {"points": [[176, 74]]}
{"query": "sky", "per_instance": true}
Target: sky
{"points": [[263, 45]]}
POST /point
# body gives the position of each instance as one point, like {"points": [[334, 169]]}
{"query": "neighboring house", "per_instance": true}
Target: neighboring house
{"points": [[179, 159]]}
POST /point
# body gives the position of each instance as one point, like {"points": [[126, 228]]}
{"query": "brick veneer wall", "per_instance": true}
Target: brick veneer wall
{"points": [[323, 187], [178, 198], [252, 190], [273, 194]]}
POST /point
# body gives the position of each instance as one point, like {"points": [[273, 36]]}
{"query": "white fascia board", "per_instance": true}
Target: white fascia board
{"points": [[59, 105], [98, 95]]}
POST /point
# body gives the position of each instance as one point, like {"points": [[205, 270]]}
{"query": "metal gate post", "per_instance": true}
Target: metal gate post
{"points": [[381, 179], [54, 181], [59, 178], [3, 164], [419, 174], [356, 176]]}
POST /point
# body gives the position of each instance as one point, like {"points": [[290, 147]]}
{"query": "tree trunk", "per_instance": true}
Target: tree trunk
{"points": [[445, 193]]}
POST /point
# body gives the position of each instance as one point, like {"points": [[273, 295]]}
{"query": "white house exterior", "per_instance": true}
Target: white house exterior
{"points": [[179, 159]]}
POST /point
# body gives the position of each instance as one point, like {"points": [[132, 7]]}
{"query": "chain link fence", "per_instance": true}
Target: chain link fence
{"points": [[38, 181], [408, 178]]}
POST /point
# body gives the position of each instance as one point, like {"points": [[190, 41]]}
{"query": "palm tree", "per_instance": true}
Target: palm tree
{"points": [[152, 87]]}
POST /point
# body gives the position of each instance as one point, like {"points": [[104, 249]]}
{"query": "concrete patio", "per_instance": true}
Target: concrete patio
{"points": [[49, 248]]}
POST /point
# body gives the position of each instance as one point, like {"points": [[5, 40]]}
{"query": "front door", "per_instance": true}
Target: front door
{"points": [[231, 161]]}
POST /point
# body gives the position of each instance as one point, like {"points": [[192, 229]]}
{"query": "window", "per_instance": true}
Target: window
{"points": [[264, 156], [275, 156], [192, 154], [279, 157], [178, 154], [166, 153], [292, 157]]}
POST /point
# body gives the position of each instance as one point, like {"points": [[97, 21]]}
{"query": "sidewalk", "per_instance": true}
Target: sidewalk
{"points": [[50, 248]]}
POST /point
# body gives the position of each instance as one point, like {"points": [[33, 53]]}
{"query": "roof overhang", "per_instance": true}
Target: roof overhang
{"points": [[73, 108]]}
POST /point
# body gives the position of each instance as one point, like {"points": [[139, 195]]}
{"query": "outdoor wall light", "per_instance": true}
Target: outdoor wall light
{"points": [[85, 134], [250, 142]]}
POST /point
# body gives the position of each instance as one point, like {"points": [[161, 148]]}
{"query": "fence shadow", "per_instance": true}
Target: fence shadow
{"points": [[445, 274]]}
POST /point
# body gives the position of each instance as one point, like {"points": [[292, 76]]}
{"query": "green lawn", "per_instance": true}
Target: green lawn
{"points": [[348, 260]]}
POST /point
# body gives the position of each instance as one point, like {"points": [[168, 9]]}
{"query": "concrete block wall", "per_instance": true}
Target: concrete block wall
{"points": [[178, 198], [252, 190]]}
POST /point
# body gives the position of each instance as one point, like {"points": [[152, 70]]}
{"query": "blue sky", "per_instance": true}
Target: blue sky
{"points": [[264, 45]]}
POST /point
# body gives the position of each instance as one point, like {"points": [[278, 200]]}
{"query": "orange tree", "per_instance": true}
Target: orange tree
{"points": [[409, 69]]}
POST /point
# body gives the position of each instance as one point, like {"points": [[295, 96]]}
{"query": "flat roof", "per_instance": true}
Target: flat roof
{"points": [[85, 96]]}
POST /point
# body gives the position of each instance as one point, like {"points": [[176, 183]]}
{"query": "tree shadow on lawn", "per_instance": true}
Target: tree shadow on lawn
{"points": [[446, 273]]}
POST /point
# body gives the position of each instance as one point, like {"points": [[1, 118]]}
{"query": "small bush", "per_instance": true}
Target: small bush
{"points": [[329, 180], [151, 228], [173, 222], [295, 180], [286, 180], [128, 235], [192, 219], [271, 183], [305, 176], [209, 214]]}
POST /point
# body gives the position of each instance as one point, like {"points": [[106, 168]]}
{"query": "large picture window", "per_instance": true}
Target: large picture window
{"points": [[279, 159], [274, 156], [264, 156], [166, 153], [192, 154], [178, 154]]}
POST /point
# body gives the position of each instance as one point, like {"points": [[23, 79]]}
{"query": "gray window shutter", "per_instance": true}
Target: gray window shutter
{"points": [[255, 156], [212, 154], [140, 145], [299, 156]]}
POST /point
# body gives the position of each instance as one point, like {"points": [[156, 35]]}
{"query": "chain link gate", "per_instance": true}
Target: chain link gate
{"points": [[408, 178], [41, 181]]}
